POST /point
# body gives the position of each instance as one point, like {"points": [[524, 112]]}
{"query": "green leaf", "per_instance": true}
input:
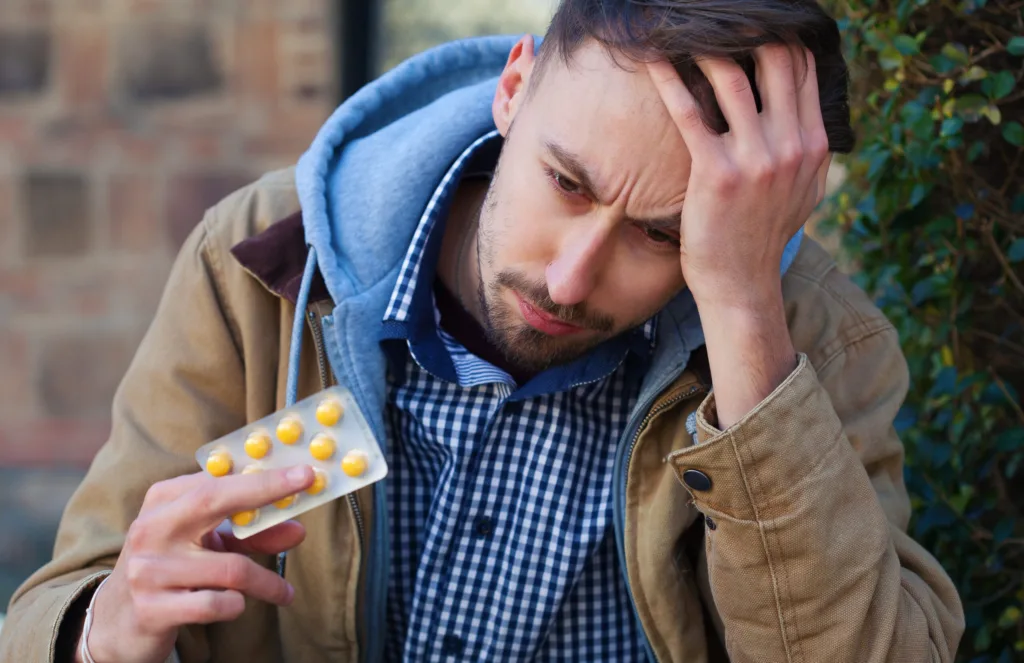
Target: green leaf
{"points": [[889, 58], [982, 638], [975, 73], [957, 53], [906, 45], [976, 149], [1013, 132], [992, 112], [998, 85], [970, 106], [1016, 251], [1015, 46], [951, 127]]}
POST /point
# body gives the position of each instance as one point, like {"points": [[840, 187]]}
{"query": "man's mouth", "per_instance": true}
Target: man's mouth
{"points": [[543, 321]]}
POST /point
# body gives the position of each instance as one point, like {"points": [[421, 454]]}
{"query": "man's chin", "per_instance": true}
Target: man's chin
{"points": [[534, 351]]}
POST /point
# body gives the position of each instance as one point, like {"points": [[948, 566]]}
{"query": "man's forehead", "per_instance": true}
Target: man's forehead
{"points": [[609, 116]]}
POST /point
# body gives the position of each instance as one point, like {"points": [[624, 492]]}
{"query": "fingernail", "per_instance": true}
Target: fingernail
{"points": [[298, 475], [291, 594]]}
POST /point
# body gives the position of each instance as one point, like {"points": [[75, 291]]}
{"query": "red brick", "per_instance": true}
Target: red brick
{"points": [[83, 64], [130, 147], [135, 216], [20, 292], [257, 59], [203, 147]]}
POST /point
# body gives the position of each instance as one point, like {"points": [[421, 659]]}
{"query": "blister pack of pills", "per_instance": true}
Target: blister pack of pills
{"points": [[326, 431]]}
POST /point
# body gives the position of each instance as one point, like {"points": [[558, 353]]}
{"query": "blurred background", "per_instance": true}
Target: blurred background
{"points": [[121, 121]]}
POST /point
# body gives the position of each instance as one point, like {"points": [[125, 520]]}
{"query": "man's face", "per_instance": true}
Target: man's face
{"points": [[579, 232]]}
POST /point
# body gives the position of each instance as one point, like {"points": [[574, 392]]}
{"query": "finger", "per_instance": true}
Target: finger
{"points": [[277, 539], [203, 508], [163, 492], [735, 96], [162, 611], [777, 84], [811, 124], [683, 109], [209, 570]]}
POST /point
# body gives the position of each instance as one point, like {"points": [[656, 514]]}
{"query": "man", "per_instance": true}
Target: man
{"points": [[529, 269]]}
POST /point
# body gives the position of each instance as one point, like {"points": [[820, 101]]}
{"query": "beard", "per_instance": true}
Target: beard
{"points": [[531, 349]]}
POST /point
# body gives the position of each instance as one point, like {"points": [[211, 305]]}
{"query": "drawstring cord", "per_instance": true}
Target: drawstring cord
{"points": [[295, 350]]}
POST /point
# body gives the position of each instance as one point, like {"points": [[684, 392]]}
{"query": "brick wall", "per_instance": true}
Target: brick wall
{"points": [[120, 122]]}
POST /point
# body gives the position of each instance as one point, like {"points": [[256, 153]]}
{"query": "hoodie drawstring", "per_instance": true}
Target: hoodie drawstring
{"points": [[301, 301]]}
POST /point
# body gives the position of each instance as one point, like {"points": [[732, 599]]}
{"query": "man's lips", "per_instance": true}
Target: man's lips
{"points": [[544, 322]]}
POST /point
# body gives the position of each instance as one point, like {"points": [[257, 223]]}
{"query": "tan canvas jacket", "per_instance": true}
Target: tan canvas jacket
{"points": [[797, 552]]}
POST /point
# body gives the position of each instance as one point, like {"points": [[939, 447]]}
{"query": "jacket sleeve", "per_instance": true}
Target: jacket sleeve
{"points": [[184, 387], [806, 555]]}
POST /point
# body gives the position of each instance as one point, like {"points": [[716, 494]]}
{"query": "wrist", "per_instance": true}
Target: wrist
{"points": [[736, 295], [750, 352]]}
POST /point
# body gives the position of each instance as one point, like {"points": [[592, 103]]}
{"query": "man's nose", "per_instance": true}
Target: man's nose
{"points": [[577, 267]]}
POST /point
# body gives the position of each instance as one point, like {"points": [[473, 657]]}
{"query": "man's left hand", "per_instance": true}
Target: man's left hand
{"points": [[752, 188]]}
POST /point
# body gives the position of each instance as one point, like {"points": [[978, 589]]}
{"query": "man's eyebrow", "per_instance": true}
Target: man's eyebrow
{"points": [[577, 171], [571, 163]]}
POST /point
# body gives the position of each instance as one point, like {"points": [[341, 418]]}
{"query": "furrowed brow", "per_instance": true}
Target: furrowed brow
{"points": [[573, 166]]}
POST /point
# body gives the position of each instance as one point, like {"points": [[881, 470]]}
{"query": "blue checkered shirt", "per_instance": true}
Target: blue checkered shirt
{"points": [[500, 495]]}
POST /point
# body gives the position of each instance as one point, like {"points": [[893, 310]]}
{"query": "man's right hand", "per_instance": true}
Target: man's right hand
{"points": [[177, 568]]}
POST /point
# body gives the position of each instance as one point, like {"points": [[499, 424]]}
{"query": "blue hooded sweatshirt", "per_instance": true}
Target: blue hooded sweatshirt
{"points": [[363, 185]]}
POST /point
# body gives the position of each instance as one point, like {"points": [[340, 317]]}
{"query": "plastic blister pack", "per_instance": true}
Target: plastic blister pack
{"points": [[326, 431]]}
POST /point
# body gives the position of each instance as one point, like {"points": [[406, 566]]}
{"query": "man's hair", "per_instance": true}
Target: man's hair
{"points": [[682, 30]]}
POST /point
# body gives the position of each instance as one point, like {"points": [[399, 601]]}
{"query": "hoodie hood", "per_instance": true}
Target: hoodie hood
{"points": [[366, 179]]}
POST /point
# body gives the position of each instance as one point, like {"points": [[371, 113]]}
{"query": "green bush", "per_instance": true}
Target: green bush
{"points": [[932, 219]]}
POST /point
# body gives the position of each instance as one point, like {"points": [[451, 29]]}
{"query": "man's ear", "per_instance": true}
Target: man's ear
{"points": [[513, 84]]}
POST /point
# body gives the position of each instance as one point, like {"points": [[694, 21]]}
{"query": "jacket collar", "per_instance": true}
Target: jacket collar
{"points": [[276, 258]]}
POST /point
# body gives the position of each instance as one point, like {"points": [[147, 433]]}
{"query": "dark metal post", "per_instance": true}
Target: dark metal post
{"points": [[357, 43]]}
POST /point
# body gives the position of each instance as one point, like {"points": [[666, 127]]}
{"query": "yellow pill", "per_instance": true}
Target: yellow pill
{"points": [[322, 447], [319, 482], [219, 463], [354, 463], [257, 445], [250, 469], [329, 412], [243, 518], [289, 430], [286, 502]]}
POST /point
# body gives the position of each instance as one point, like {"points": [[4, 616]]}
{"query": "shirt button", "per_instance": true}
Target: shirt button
{"points": [[697, 480], [712, 525], [483, 527], [452, 645]]}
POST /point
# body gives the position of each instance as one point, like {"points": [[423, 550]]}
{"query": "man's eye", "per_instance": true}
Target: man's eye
{"points": [[659, 237], [565, 184]]}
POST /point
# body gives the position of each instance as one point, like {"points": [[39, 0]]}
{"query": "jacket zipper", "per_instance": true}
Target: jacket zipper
{"points": [[321, 360], [661, 407]]}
